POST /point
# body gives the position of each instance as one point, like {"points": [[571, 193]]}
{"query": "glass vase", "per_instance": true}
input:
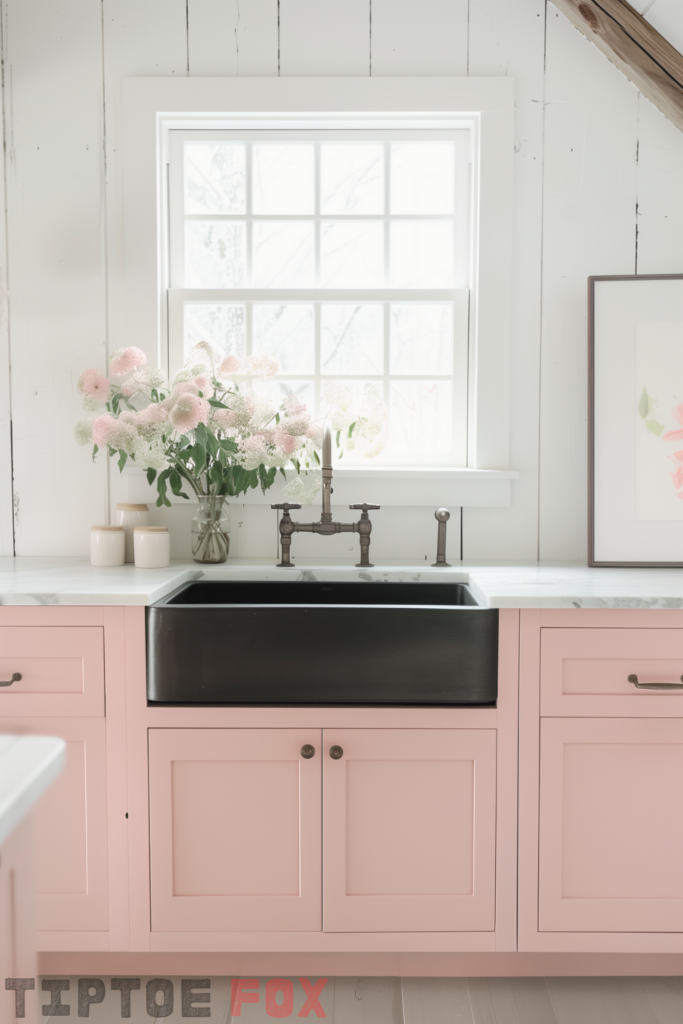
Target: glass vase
{"points": [[211, 530]]}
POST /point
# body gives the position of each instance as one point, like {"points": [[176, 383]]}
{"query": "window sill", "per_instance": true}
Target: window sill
{"points": [[380, 485]]}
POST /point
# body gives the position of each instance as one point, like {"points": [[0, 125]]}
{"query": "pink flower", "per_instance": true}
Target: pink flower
{"points": [[677, 477], [189, 411], [126, 359], [315, 434], [293, 405], [262, 365], [230, 365], [225, 418], [101, 429], [128, 390], [677, 413], [679, 456], [154, 413], [91, 384], [187, 387], [288, 442], [202, 383], [673, 435]]}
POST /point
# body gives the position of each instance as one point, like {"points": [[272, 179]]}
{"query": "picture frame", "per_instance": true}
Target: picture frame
{"points": [[635, 420]]}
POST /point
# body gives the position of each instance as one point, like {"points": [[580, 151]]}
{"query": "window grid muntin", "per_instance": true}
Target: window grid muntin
{"points": [[386, 296]]}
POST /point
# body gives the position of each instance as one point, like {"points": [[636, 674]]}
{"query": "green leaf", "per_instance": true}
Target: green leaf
{"points": [[266, 477], [645, 405], [216, 404], [228, 445], [338, 438], [161, 488], [123, 459], [216, 474], [211, 444], [654, 427], [283, 473], [95, 450], [151, 476], [176, 482], [316, 456], [200, 434], [351, 428], [198, 456]]}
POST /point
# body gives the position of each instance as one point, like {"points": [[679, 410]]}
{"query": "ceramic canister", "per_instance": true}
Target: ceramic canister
{"points": [[130, 516], [152, 547], [107, 545]]}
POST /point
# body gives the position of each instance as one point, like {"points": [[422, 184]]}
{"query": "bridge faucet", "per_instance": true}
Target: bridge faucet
{"points": [[326, 527]]}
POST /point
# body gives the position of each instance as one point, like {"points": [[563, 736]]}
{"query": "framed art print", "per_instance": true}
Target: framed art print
{"points": [[635, 420]]}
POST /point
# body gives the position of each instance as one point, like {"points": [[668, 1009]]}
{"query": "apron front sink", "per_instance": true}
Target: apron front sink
{"points": [[317, 643]]}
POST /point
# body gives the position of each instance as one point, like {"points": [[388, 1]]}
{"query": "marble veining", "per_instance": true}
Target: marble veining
{"points": [[73, 581]]}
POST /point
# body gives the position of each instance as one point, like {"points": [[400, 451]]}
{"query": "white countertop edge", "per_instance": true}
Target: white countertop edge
{"points": [[35, 581], [28, 765]]}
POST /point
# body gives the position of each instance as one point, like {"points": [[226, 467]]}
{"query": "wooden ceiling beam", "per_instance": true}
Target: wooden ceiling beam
{"points": [[635, 47]]}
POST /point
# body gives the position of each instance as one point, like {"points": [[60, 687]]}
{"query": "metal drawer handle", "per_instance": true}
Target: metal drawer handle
{"points": [[655, 686], [16, 676]]}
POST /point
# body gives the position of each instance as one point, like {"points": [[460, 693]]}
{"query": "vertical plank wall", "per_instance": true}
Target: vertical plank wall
{"points": [[597, 190]]}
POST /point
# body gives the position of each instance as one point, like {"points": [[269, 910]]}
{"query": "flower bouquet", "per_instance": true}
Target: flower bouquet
{"points": [[209, 431]]}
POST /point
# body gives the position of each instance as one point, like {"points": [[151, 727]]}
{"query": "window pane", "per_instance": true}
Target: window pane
{"points": [[214, 178], [421, 254], [286, 332], [352, 339], [421, 338], [420, 416], [214, 254], [422, 177], [277, 390], [352, 254], [283, 179], [220, 323], [283, 254], [352, 178]]}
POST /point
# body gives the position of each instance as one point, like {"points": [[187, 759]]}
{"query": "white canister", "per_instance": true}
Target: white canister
{"points": [[107, 545], [130, 516], [152, 547]]}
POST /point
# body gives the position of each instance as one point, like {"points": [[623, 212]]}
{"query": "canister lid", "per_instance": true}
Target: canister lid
{"points": [[123, 507], [108, 529], [151, 529]]}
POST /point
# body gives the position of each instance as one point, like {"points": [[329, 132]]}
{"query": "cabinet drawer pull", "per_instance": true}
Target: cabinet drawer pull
{"points": [[655, 686], [336, 753], [308, 751], [16, 676]]}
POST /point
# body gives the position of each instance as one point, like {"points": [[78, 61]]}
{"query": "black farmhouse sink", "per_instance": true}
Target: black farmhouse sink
{"points": [[316, 643]]}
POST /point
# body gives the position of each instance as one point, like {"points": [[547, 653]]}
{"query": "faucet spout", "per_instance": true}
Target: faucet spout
{"points": [[327, 473]]}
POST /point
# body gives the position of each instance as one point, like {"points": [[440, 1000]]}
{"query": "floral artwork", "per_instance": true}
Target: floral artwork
{"points": [[211, 432], [659, 411]]}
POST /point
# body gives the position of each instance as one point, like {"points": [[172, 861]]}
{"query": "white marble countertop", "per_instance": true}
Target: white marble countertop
{"points": [[28, 765], [73, 581]]}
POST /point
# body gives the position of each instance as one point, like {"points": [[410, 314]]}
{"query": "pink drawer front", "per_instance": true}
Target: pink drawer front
{"points": [[584, 672], [61, 668]]}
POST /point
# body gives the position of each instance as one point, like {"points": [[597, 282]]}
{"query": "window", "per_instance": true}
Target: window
{"points": [[344, 253]]}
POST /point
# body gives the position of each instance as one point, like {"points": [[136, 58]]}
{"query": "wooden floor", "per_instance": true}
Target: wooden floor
{"points": [[434, 1001]]}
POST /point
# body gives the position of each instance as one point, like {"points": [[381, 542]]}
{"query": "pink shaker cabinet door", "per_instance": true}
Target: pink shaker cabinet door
{"points": [[234, 830], [70, 832], [611, 825], [409, 830]]}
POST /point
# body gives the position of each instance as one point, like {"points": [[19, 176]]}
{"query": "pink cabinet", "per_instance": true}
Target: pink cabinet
{"points": [[611, 825], [70, 830], [409, 830], [61, 668], [234, 830]]}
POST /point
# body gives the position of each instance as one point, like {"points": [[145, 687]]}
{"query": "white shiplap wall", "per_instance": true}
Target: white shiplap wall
{"points": [[597, 190]]}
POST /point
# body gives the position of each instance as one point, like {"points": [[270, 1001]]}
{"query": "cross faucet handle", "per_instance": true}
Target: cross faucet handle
{"points": [[286, 505], [365, 506]]}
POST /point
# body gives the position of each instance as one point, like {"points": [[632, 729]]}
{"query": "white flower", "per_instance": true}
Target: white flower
{"points": [[152, 377], [303, 490], [152, 456], [83, 432], [93, 405]]}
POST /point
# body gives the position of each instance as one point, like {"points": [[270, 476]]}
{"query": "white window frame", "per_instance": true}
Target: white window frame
{"points": [[153, 106]]}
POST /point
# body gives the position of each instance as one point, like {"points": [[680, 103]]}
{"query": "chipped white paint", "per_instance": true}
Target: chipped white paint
{"points": [[575, 215]]}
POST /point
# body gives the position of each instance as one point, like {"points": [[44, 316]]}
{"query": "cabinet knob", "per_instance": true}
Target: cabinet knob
{"points": [[16, 676], [307, 751], [336, 753]]}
